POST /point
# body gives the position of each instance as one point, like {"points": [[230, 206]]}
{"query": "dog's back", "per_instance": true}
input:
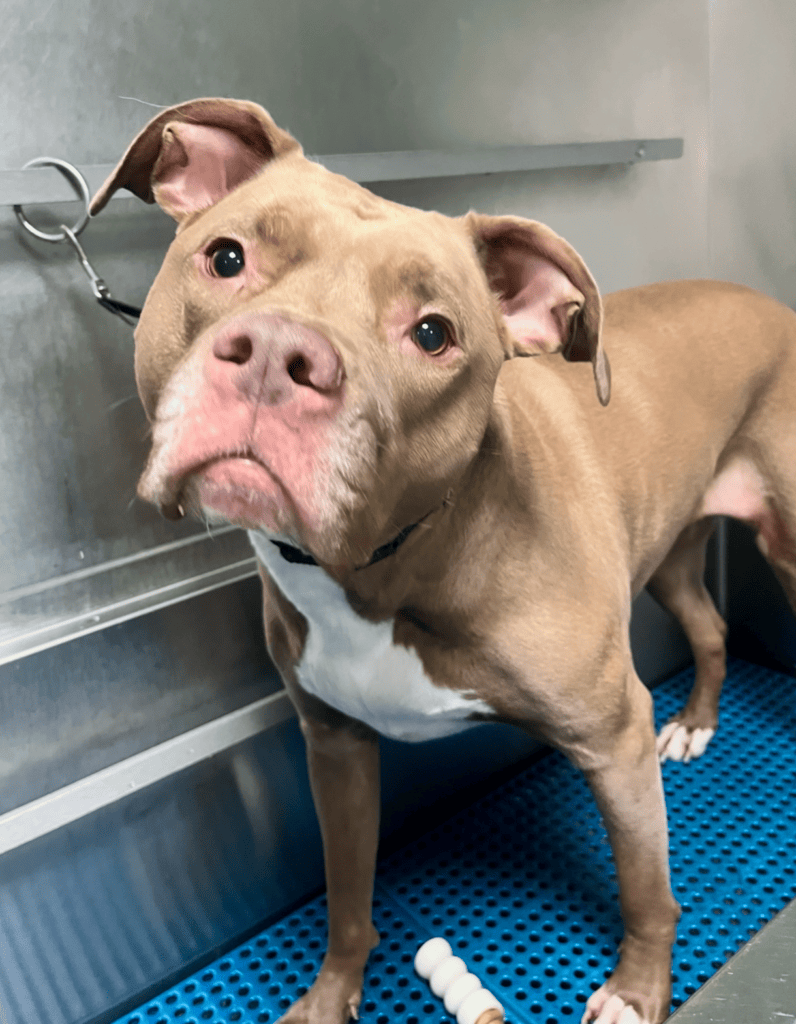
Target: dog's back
{"points": [[699, 369]]}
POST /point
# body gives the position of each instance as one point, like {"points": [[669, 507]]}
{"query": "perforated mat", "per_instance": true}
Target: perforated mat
{"points": [[522, 884]]}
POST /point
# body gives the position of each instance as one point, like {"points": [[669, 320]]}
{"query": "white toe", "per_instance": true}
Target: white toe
{"points": [[678, 744], [613, 1010], [593, 1005], [699, 741], [663, 738], [616, 1011]]}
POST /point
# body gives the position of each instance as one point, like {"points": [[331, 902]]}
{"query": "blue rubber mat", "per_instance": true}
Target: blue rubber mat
{"points": [[522, 884]]}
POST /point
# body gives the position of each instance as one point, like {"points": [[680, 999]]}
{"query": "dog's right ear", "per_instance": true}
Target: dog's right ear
{"points": [[548, 298], [192, 155]]}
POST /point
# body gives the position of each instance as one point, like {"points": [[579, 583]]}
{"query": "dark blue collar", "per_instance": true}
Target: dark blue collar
{"points": [[291, 554]]}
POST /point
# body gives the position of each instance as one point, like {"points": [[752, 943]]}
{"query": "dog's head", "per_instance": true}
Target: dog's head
{"points": [[316, 361]]}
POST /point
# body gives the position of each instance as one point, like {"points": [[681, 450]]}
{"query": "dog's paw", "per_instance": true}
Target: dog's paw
{"points": [[310, 1011], [331, 1000], [678, 742], [604, 1008]]}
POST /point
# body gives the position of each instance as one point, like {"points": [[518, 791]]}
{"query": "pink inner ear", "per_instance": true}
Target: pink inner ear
{"points": [[200, 165], [536, 298]]}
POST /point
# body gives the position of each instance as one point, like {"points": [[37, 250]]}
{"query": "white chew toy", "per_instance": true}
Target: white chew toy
{"points": [[449, 979]]}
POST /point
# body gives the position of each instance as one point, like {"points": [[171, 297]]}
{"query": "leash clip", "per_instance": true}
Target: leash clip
{"points": [[101, 291]]}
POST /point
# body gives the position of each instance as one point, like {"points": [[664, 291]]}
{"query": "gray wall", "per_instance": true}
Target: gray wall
{"points": [[752, 238], [752, 191]]}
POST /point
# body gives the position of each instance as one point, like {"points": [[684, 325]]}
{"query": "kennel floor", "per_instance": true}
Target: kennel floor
{"points": [[522, 884]]}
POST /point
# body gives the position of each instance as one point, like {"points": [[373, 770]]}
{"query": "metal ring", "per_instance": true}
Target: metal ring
{"points": [[78, 183]]}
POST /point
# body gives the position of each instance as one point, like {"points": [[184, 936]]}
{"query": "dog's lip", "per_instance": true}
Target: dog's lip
{"points": [[246, 456], [172, 499], [238, 459], [244, 492]]}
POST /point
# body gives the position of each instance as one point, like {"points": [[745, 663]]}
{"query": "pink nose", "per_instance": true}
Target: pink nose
{"points": [[270, 361]]}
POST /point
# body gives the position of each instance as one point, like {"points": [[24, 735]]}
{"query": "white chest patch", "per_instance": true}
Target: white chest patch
{"points": [[354, 666]]}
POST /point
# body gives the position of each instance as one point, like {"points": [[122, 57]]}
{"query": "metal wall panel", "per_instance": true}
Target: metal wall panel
{"points": [[753, 241], [73, 436], [752, 145], [104, 909], [73, 440], [72, 710]]}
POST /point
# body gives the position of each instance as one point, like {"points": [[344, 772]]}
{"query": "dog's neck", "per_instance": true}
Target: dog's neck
{"points": [[433, 549]]}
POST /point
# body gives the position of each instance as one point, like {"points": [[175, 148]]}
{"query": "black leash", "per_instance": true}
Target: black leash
{"points": [[117, 308]]}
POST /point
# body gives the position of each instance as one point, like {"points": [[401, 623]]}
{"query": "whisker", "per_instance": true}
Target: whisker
{"points": [[135, 99], [121, 401]]}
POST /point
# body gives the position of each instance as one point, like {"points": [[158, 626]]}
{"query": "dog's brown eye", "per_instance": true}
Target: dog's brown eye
{"points": [[432, 335], [227, 259]]}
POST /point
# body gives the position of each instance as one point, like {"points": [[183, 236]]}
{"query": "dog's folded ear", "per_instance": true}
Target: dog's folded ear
{"points": [[192, 155], [549, 300]]}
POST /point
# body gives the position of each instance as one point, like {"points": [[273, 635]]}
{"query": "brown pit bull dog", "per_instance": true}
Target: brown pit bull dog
{"points": [[447, 534]]}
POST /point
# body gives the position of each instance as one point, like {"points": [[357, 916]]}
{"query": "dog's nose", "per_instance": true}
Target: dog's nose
{"points": [[268, 358]]}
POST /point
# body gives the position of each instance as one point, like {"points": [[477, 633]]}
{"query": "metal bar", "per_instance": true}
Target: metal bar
{"points": [[115, 563], [48, 813], [45, 185], [39, 185], [59, 630], [369, 167]]}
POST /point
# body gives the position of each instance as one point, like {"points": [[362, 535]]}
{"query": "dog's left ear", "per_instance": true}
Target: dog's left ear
{"points": [[192, 155], [549, 300]]}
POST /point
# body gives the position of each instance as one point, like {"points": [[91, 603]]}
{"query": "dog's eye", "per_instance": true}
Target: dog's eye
{"points": [[432, 335], [227, 259]]}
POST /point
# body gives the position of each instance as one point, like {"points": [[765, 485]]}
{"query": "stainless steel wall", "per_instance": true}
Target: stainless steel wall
{"points": [[752, 236], [344, 76], [752, 239], [77, 708]]}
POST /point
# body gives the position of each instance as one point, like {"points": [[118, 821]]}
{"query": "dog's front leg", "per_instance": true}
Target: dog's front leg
{"points": [[344, 775], [629, 792]]}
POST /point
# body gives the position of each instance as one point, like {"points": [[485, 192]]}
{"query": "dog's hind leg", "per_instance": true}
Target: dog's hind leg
{"points": [[678, 585]]}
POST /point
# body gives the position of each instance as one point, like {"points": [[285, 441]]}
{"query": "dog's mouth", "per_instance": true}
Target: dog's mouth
{"points": [[235, 488], [319, 491], [242, 490]]}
